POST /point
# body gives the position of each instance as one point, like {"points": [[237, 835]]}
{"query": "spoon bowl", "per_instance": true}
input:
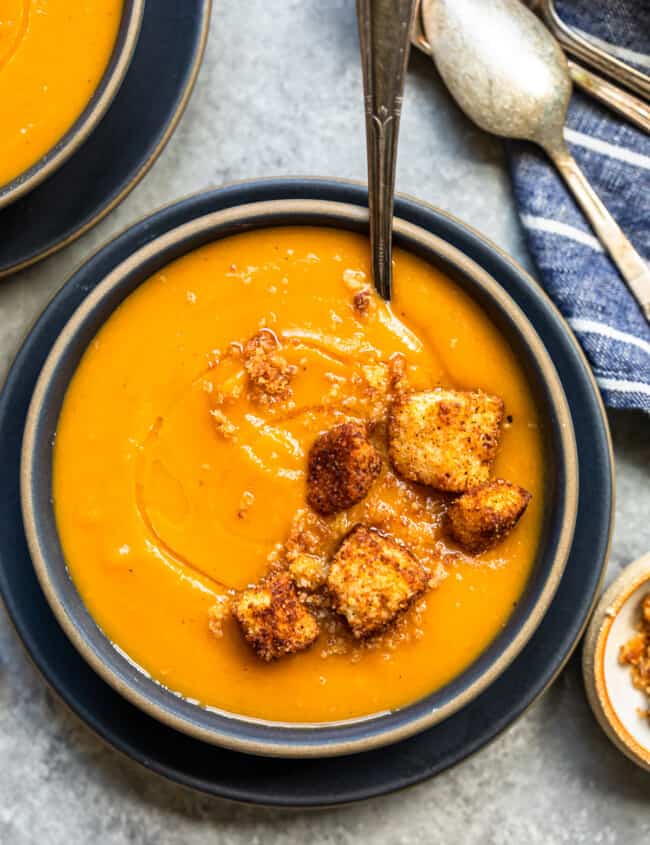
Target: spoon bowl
{"points": [[510, 76], [522, 93]]}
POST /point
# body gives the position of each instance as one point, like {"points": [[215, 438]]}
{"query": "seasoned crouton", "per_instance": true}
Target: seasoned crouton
{"points": [[273, 619], [269, 373], [447, 439], [309, 572], [633, 650], [372, 579], [481, 517], [343, 464]]}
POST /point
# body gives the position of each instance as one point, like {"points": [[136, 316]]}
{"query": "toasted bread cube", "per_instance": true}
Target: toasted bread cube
{"points": [[273, 619], [343, 464], [633, 651], [447, 439], [481, 517], [372, 579], [309, 572], [269, 373]]}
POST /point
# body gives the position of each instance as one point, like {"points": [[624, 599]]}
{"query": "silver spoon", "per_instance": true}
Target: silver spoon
{"points": [[384, 37], [632, 108], [578, 46], [509, 76]]}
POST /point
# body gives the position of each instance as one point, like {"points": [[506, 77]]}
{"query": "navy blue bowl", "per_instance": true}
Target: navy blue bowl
{"points": [[256, 205]]}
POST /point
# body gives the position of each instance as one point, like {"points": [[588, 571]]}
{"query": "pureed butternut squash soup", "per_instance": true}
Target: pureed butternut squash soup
{"points": [[284, 498], [53, 54]]}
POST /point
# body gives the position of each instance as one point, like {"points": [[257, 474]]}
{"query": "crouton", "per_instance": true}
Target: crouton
{"points": [[309, 572], [372, 579], [273, 619], [269, 373], [478, 519], [343, 464], [447, 439], [633, 651], [636, 652]]}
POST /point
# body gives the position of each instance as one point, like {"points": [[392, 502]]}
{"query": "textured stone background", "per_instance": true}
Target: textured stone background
{"points": [[280, 93]]}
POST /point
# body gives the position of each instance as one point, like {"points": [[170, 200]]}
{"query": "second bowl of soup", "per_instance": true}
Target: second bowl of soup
{"points": [[285, 516], [61, 65]]}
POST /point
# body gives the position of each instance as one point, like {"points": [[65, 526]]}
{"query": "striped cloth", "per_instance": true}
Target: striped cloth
{"points": [[615, 156]]}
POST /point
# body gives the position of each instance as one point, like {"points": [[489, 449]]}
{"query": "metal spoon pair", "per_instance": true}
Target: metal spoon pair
{"points": [[509, 76]]}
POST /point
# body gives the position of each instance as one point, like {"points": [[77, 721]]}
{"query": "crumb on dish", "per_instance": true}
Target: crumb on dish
{"points": [[636, 652], [372, 579], [223, 426], [343, 464], [447, 439], [362, 302], [269, 373], [483, 516], [272, 618], [218, 613]]}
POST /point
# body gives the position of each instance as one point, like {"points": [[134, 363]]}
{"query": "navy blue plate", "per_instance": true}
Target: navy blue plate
{"points": [[118, 153], [309, 782]]}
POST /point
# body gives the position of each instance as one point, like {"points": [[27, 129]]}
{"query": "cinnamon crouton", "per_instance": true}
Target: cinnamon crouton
{"points": [[269, 373], [273, 619], [343, 464], [481, 517], [447, 439], [372, 579]]}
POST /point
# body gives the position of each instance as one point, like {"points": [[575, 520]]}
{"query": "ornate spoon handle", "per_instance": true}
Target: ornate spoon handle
{"points": [[384, 32]]}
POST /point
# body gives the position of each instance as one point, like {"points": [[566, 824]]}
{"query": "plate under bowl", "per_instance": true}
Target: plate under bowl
{"points": [[230, 730]]}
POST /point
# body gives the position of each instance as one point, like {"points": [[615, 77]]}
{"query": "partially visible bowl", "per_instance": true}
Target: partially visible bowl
{"points": [[109, 85], [227, 729], [617, 704]]}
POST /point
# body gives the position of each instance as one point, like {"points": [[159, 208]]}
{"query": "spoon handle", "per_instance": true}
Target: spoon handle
{"points": [[603, 61], [630, 264], [619, 100], [384, 30]]}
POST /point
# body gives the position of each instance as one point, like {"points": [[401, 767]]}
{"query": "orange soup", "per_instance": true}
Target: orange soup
{"points": [[53, 54], [165, 506]]}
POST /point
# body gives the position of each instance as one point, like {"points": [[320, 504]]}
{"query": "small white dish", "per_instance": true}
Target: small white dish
{"points": [[617, 704]]}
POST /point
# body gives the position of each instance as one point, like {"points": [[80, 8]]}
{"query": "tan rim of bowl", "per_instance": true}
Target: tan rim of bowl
{"points": [[109, 85], [605, 700], [432, 244]]}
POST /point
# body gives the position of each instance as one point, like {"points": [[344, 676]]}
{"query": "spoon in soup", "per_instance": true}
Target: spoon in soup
{"points": [[509, 75], [384, 37]]}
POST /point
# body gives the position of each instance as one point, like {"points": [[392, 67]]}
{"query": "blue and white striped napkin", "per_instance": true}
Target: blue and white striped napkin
{"points": [[615, 156]]}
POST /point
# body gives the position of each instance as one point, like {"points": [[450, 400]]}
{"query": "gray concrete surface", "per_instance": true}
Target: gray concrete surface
{"points": [[280, 93]]}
